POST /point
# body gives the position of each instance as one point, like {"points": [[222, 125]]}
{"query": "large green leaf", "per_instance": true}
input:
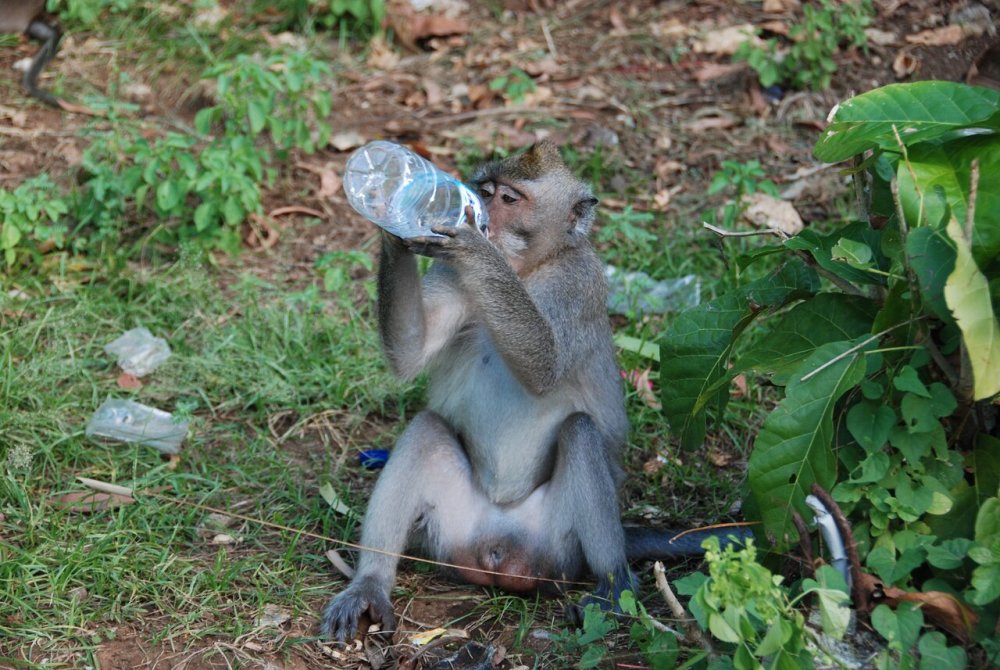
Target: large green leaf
{"points": [[821, 247], [794, 449], [948, 167], [827, 317], [968, 296], [920, 111], [932, 256], [696, 347]]}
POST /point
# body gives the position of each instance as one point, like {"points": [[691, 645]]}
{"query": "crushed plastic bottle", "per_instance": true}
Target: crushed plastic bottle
{"points": [[635, 293], [138, 351], [129, 421], [405, 194]]}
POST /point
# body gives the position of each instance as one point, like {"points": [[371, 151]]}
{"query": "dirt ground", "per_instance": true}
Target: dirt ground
{"points": [[633, 78]]}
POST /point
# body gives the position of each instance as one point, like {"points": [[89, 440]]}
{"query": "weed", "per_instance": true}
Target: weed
{"points": [[31, 215], [282, 94], [514, 85], [809, 61]]}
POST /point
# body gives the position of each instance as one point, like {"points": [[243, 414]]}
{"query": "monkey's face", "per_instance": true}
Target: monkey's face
{"points": [[512, 226]]}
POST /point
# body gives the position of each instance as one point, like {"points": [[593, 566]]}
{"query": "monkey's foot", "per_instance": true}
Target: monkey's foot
{"points": [[364, 596], [606, 595]]}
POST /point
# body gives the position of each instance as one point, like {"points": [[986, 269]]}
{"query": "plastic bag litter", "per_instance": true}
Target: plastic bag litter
{"points": [[139, 352], [634, 293], [130, 421]]}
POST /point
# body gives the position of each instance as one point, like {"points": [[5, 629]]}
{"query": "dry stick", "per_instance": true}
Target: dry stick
{"points": [[804, 544], [856, 347], [548, 39], [693, 634], [722, 232], [125, 491]]}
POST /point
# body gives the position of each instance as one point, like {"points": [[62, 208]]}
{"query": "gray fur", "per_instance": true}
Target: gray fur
{"points": [[517, 460]]}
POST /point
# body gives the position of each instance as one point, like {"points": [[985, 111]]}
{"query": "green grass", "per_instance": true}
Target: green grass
{"points": [[242, 358]]}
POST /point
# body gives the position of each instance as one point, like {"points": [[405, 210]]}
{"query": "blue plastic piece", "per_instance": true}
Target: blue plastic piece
{"points": [[373, 459]]}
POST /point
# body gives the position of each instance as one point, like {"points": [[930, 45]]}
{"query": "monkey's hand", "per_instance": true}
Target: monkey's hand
{"points": [[363, 596], [463, 242]]}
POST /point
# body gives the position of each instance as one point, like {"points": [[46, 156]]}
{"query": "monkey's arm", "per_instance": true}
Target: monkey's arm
{"points": [[416, 317], [521, 333]]}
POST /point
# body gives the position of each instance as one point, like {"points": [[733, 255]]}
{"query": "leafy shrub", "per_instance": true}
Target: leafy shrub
{"points": [[282, 94], [742, 604], [809, 61], [197, 191], [514, 85], [31, 215], [88, 13], [887, 367]]}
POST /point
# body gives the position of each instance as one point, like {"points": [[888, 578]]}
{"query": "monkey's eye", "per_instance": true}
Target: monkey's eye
{"points": [[509, 195], [487, 189]]}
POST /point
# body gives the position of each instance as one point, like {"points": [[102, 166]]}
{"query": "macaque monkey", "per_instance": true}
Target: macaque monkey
{"points": [[23, 16], [515, 465]]}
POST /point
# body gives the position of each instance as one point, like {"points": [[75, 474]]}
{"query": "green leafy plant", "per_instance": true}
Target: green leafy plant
{"points": [[658, 646], [741, 603], [808, 62], [88, 12], [202, 192], [31, 215], [514, 85], [358, 17], [743, 179], [282, 94], [902, 629], [883, 336]]}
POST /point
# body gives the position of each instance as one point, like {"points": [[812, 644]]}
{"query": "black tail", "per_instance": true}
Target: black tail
{"points": [[658, 543], [49, 37]]}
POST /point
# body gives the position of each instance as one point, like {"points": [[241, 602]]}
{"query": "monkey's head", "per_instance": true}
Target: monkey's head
{"points": [[537, 207]]}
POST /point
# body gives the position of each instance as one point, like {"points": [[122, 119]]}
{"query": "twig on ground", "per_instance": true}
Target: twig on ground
{"points": [[692, 633]]}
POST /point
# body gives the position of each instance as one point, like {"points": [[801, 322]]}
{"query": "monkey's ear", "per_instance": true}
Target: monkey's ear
{"points": [[584, 212]]}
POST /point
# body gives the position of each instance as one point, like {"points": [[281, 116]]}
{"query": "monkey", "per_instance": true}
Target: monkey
{"points": [[17, 16], [515, 466]]}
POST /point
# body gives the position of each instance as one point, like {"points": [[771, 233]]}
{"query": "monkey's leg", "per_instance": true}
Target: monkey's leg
{"points": [[583, 487], [49, 37], [426, 482]]}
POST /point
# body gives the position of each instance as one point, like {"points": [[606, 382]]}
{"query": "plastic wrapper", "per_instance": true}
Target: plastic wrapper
{"points": [[129, 421], [635, 293], [139, 352]]}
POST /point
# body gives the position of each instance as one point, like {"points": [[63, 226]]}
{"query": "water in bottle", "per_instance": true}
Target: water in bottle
{"points": [[406, 194]]}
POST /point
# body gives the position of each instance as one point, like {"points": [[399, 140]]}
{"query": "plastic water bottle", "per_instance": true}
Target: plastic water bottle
{"points": [[407, 195]]}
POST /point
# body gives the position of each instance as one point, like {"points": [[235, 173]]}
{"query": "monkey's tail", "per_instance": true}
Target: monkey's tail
{"points": [[658, 543]]}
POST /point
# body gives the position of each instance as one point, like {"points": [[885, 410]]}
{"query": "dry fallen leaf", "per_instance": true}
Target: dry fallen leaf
{"points": [[127, 381], [725, 41], [411, 27], [273, 616], [766, 211], [712, 71], [719, 458], [938, 37], [347, 140], [711, 122], [941, 609], [882, 38], [780, 6], [905, 64], [739, 389], [88, 501]]}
